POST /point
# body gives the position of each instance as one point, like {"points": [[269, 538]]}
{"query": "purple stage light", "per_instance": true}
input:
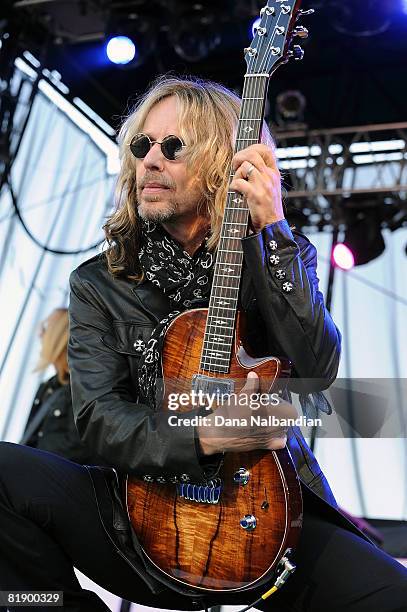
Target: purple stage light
{"points": [[343, 257]]}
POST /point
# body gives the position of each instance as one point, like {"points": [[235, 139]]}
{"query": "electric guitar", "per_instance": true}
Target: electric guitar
{"points": [[230, 533]]}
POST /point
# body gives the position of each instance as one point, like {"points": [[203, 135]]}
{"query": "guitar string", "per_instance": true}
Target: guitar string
{"points": [[230, 215], [233, 217], [257, 88], [218, 311], [250, 103]]}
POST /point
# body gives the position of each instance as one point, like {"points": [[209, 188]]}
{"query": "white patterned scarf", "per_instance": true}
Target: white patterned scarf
{"points": [[183, 279]]}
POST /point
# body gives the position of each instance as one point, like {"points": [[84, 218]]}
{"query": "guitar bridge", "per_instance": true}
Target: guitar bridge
{"points": [[204, 494]]}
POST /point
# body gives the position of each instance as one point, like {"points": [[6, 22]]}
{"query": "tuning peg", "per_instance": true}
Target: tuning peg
{"points": [[302, 13], [250, 51], [269, 10], [296, 52], [301, 32]]}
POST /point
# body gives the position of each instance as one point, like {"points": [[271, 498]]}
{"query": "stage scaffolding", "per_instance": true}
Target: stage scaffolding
{"points": [[327, 171]]}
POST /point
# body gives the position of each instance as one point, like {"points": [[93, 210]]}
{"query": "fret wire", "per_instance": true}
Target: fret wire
{"points": [[225, 345], [233, 308], [224, 297], [227, 263], [225, 288], [231, 337], [234, 223], [217, 357], [256, 75], [225, 336], [229, 251]]}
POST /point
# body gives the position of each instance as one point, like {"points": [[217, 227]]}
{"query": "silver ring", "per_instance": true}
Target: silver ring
{"points": [[250, 170]]}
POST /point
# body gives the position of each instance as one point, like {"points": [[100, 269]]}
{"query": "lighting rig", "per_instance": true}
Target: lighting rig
{"points": [[351, 181]]}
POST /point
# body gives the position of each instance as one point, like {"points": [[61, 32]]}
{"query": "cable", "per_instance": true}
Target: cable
{"points": [[289, 568], [53, 198], [34, 239]]}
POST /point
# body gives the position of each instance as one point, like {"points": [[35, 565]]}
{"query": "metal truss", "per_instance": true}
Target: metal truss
{"points": [[329, 172]]}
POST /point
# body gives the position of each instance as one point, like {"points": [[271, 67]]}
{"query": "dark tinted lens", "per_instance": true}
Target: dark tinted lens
{"points": [[171, 145], [140, 146]]}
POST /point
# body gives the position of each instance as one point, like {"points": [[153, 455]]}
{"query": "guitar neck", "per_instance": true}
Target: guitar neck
{"points": [[219, 332]]}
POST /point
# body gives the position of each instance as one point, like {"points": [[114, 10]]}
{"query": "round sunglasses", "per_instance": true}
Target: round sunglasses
{"points": [[170, 146]]}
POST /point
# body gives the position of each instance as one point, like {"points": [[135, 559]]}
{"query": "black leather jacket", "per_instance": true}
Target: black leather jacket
{"points": [[56, 432], [111, 320]]}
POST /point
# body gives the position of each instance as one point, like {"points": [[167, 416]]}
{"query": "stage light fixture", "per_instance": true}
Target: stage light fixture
{"points": [[290, 109], [121, 50], [195, 34], [363, 235], [132, 36], [343, 257]]}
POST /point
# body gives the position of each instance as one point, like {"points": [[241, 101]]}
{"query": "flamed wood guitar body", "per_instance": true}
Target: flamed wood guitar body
{"points": [[201, 544]]}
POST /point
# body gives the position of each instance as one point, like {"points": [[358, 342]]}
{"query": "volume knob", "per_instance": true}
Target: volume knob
{"points": [[241, 476], [301, 32], [297, 52], [248, 522]]}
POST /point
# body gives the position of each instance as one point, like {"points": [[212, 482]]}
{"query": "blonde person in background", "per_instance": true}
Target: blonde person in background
{"points": [[50, 425]]}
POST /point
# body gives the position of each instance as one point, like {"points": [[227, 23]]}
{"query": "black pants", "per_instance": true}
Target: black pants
{"points": [[49, 523]]}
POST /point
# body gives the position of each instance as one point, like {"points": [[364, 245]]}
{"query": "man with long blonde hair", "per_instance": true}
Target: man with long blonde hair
{"points": [[176, 152]]}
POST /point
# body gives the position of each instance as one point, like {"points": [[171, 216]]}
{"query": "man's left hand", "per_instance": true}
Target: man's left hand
{"points": [[258, 178]]}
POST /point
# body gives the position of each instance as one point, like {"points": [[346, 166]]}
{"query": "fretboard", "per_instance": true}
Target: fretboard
{"points": [[219, 332]]}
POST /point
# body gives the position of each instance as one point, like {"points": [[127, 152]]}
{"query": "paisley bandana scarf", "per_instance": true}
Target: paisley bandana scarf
{"points": [[183, 279]]}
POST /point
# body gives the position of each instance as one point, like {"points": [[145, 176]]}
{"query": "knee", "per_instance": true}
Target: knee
{"points": [[12, 455], [7, 450], [400, 594]]}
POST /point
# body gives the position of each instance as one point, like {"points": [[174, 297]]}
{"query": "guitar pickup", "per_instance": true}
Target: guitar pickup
{"points": [[210, 386]]}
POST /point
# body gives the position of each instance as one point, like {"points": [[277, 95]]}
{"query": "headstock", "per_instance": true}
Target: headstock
{"points": [[271, 43]]}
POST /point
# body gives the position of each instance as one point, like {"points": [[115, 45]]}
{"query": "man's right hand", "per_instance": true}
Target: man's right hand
{"points": [[243, 435]]}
